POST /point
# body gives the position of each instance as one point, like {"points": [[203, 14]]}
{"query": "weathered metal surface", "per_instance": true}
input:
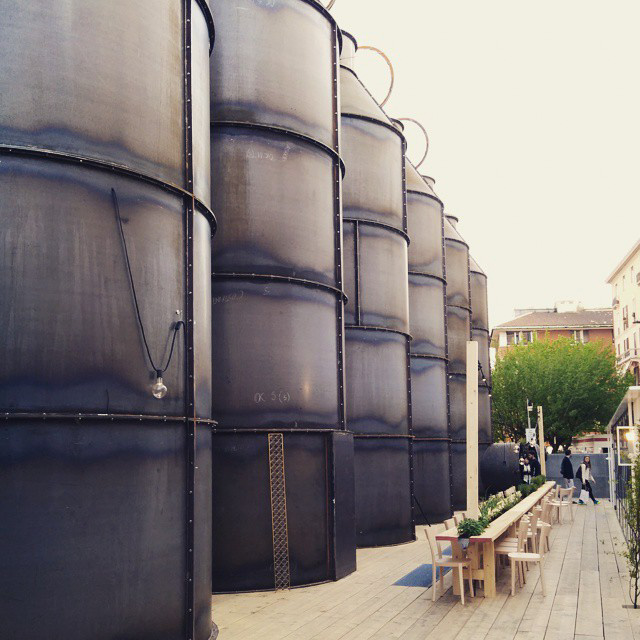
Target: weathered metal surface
{"points": [[479, 299], [375, 268], [376, 382], [273, 64], [458, 476], [429, 379], [52, 99], [70, 133], [458, 334], [383, 493], [482, 338], [275, 362], [277, 287], [373, 154], [485, 431], [424, 224], [458, 407], [499, 468], [431, 479], [429, 397], [86, 503], [426, 302], [252, 167], [480, 333], [320, 529], [457, 260], [376, 314]]}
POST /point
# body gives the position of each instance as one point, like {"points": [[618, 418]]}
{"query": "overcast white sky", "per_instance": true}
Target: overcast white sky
{"points": [[533, 112]]}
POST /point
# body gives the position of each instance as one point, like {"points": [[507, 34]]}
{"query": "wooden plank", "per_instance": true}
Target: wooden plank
{"points": [[562, 620], [589, 612], [489, 568], [535, 620], [616, 623], [472, 429]]}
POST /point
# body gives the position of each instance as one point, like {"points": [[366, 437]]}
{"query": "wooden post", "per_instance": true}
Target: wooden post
{"points": [[543, 452], [472, 430]]}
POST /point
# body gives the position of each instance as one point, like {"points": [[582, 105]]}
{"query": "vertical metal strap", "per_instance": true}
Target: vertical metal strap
{"points": [[282, 579], [190, 411], [356, 254], [446, 353], [337, 216]]}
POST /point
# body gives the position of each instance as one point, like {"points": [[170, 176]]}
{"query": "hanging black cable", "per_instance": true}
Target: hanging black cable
{"points": [[424, 515], [484, 377], [176, 328]]}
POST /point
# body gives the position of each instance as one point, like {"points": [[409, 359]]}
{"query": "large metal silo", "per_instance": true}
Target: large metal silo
{"points": [[480, 333], [283, 484], [458, 334], [429, 382], [376, 314], [105, 383]]}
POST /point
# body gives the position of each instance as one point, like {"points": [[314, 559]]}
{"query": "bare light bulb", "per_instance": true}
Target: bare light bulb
{"points": [[159, 389]]}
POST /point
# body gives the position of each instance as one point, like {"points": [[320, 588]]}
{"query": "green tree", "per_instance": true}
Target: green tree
{"points": [[577, 385]]}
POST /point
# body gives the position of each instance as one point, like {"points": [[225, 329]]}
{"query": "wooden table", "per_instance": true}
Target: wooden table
{"points": [[481, 548]]}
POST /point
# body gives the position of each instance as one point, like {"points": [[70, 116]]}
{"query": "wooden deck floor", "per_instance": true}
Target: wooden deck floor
{"points": [[585, 574]]}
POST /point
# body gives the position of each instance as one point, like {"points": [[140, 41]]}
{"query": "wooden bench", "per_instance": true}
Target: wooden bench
{"points": [[481, 548]]}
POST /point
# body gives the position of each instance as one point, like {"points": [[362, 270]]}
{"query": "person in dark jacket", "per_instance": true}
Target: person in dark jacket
{"points": [[535, 465], [566, 469]]}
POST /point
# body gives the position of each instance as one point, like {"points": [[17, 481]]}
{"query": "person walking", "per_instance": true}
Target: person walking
{"points": [[566, 469], [586, 477]]}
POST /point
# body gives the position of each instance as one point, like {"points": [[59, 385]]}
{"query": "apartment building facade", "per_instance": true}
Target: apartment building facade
{"points": [[565, 319], [625, 286]]}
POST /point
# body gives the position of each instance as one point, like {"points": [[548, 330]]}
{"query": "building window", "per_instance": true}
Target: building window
{"points": [[625, 317], [585, 335], [528, 336]]}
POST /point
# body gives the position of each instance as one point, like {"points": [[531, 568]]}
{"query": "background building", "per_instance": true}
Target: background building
{"points": [[625, 284], [566, 319]]}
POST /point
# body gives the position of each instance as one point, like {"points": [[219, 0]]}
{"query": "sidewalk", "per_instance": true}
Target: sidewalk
{"points": [[586, 581]]}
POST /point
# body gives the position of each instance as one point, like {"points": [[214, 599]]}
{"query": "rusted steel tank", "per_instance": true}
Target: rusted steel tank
{"points": [[105, 229], [429, 381], [283, 461], [377, 313], [458, 334]]}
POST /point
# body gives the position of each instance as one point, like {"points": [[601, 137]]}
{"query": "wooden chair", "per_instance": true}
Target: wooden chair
{"points": [[508, 545], [519, 558], [442, 561], [563, 501], [450, 523], [545, 518], [458, 518]]}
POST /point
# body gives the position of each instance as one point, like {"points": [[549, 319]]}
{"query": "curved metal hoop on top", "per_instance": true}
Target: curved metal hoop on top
{"points": [[329, 5], [426, 138], [386, 59]]}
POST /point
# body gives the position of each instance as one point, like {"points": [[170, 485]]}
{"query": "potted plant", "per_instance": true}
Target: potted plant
{"points": [[467, 528]]}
